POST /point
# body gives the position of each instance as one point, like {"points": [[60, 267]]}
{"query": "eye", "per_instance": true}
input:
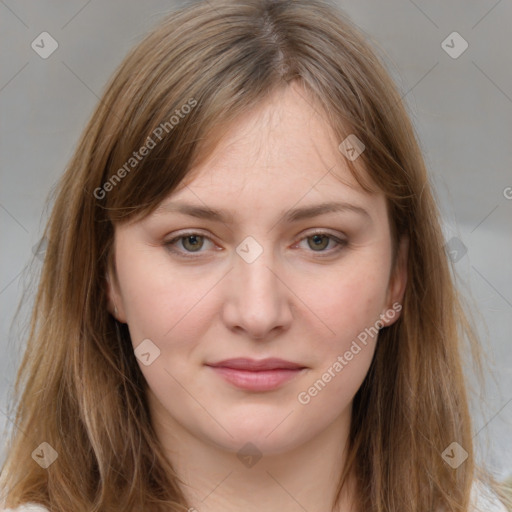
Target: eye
{"points": [[319, 241], [190, 243], [186, 244]]}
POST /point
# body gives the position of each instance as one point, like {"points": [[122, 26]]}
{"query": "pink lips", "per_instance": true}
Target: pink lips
{"points": [[257, 375]]}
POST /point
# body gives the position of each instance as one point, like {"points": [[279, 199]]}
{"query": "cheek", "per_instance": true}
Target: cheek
{"points": [[169, 309], [351, 300], [349, 304], [159, 303], [350, 310]]}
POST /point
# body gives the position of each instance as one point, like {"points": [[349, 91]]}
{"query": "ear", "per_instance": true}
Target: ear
{"points": [[114, 300], [397, 284]]}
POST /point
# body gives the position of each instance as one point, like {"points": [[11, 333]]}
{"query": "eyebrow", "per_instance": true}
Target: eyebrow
{"points": [[290, 216]]}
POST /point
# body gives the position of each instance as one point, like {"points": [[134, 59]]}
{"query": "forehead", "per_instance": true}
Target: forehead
{"points": [[282, 156], [277, 164], [283, 146]]}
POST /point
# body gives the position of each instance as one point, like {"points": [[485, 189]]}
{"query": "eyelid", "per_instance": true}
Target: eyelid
{"points": [[323, 231]]}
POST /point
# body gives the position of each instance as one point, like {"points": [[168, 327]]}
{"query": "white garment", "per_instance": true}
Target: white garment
{"points": [[482, 499]]}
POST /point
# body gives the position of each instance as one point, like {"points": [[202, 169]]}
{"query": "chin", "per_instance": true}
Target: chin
{"points": [[261, 437]]}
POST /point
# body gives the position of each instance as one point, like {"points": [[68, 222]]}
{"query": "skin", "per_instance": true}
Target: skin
{"points": [[290, 303]]}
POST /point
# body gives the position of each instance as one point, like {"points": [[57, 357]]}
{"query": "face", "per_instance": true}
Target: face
{"points": [[268, 278]]}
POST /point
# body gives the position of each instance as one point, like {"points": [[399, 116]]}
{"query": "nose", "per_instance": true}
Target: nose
{"points": [[258, 300]]}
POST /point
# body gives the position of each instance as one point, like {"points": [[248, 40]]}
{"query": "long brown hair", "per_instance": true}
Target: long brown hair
{"points": [[79, 387]]}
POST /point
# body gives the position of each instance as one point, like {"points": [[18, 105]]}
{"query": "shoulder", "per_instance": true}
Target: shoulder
{"points": [[26, 507], [485, 500]]}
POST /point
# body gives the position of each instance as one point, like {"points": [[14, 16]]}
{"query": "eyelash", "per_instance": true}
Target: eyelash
{"points": [[341, 244]]}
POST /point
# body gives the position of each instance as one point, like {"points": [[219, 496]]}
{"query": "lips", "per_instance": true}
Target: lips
{"points": [[253, 365], [257, 375]]}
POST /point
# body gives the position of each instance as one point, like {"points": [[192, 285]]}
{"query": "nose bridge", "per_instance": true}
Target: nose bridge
{"points": [[255, 271], [258, 300]]}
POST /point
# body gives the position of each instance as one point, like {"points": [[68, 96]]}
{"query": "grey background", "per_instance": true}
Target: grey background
{"points": [[461, 108]]}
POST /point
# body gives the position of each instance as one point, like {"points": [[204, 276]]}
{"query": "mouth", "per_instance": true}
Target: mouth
{"points": [[257, 375]]}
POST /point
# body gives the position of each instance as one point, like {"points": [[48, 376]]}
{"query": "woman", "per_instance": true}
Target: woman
{"points": [[245, 292]]}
